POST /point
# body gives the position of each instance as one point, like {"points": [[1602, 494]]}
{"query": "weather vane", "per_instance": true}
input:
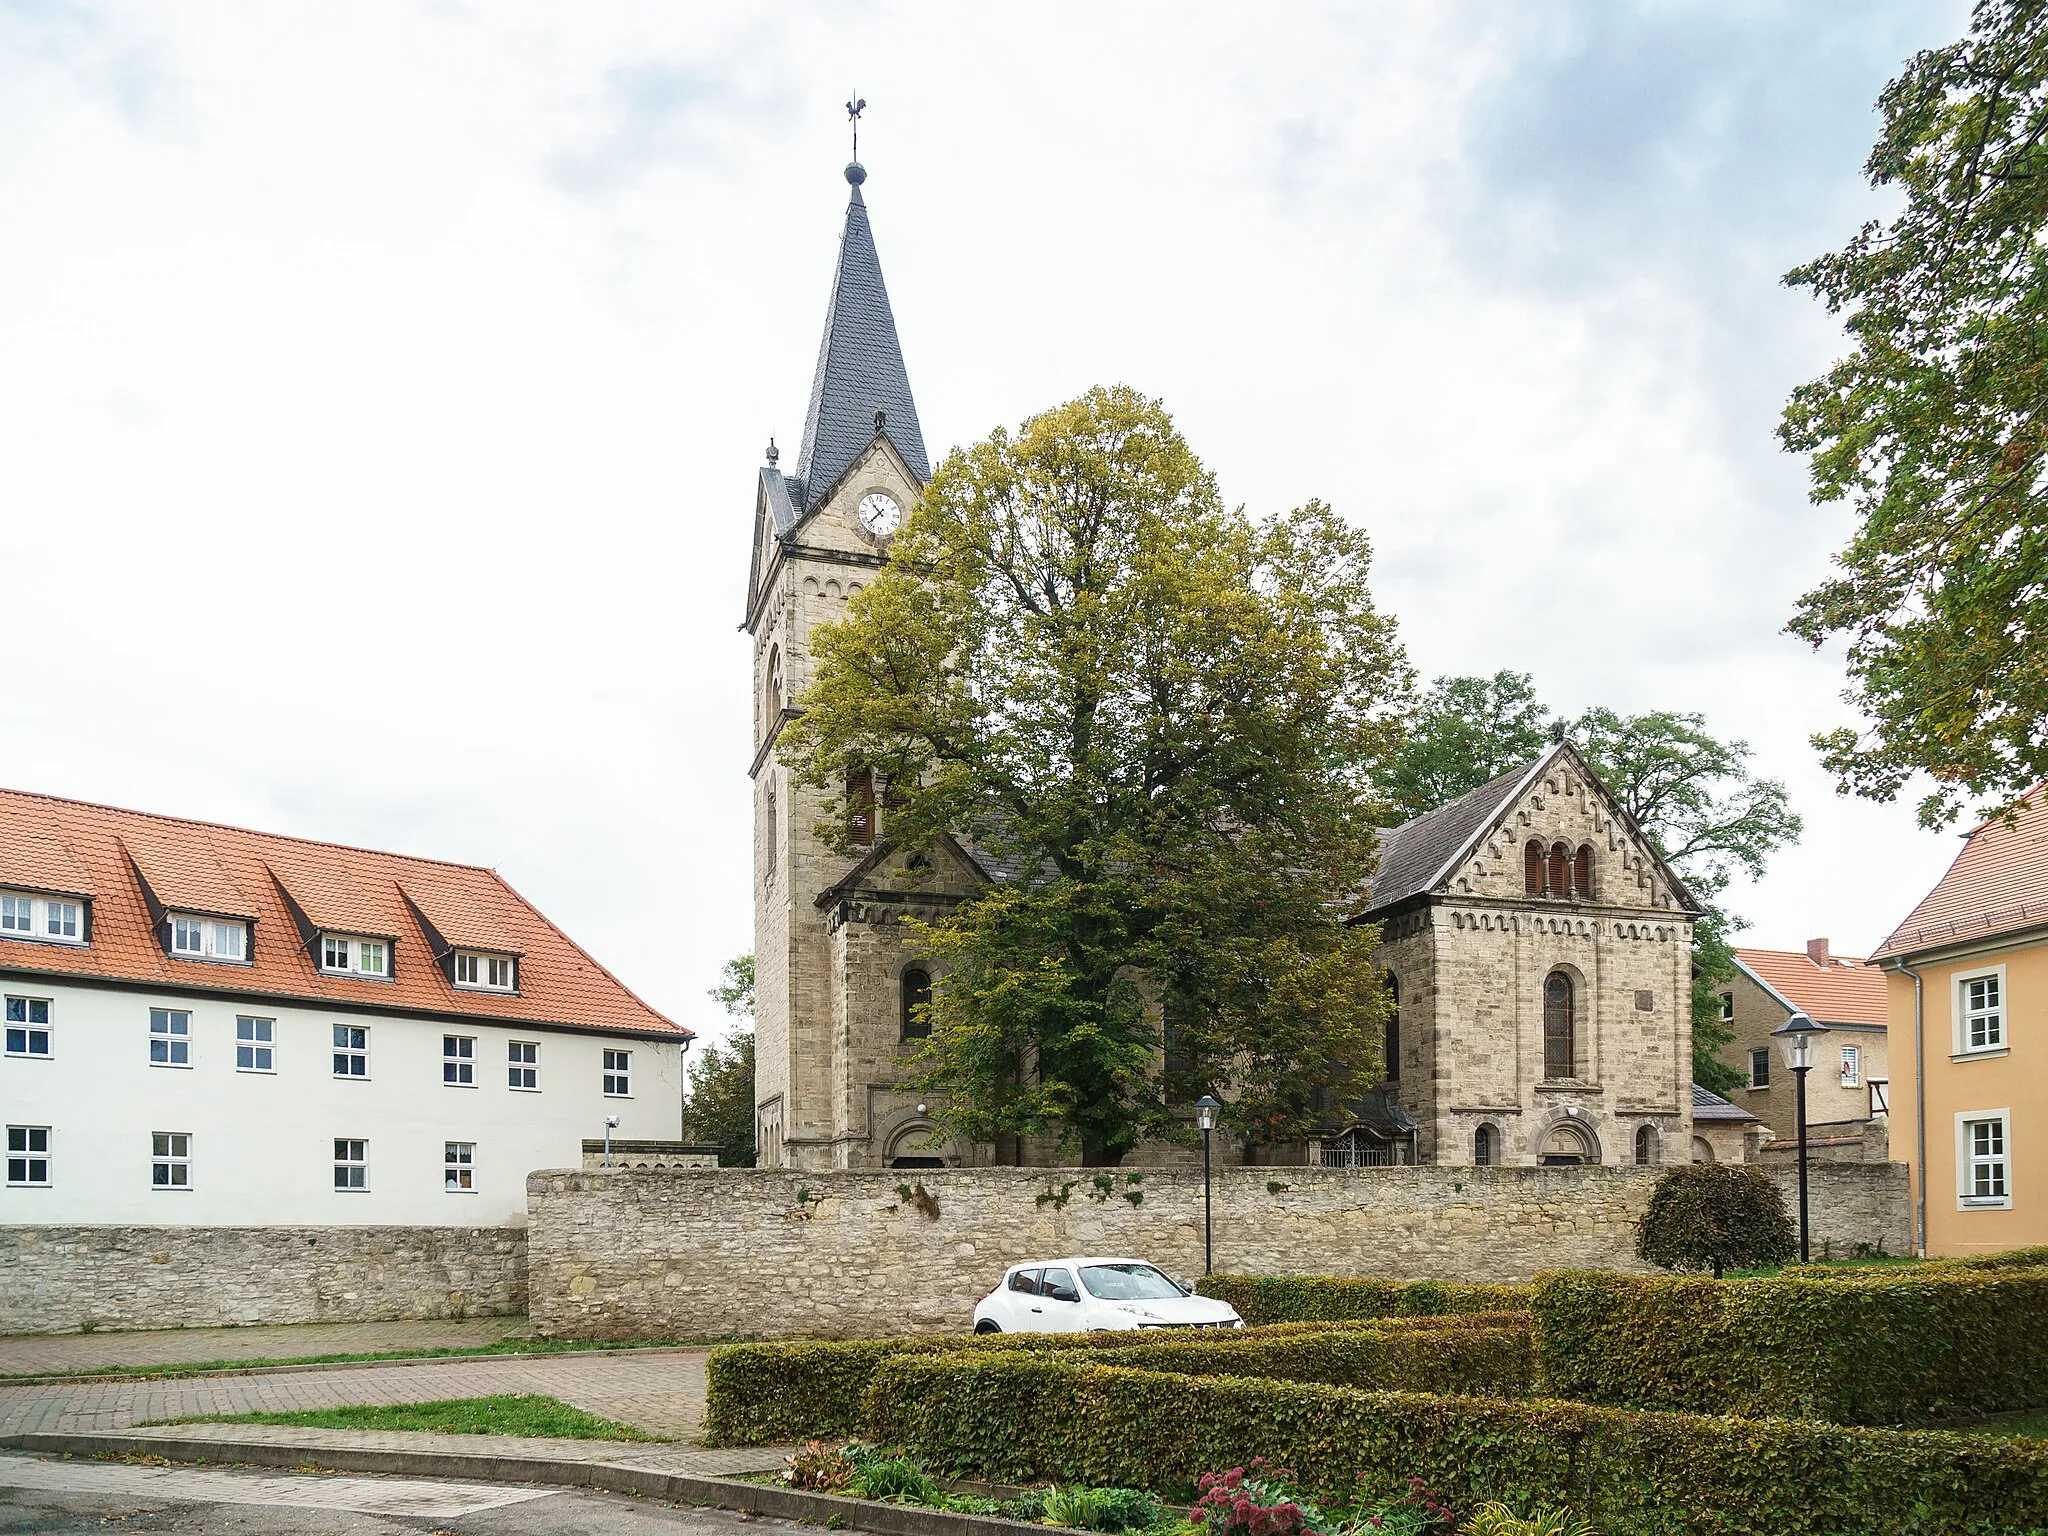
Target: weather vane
{"points": [[854, 108]]}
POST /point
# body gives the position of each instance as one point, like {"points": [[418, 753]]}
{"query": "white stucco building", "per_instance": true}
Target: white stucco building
{"points": [[205, 1026]]}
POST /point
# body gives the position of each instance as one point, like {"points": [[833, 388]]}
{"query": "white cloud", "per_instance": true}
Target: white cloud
{"points": [[380, 387]]}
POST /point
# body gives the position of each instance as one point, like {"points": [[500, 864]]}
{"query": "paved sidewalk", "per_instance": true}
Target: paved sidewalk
{"points": [[34, 1354], [660, 1392]]}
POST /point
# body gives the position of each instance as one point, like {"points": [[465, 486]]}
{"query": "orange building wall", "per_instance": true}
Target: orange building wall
{"points": [[2016, 1081]]}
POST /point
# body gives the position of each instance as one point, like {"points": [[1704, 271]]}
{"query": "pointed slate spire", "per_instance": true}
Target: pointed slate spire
{"points": [[860, 367]]}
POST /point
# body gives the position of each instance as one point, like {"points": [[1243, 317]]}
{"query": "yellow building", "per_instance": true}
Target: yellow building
{"points": [[1967, 991]]}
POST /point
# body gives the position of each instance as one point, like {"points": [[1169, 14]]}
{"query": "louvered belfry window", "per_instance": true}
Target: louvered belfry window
{"points": [[1532, 868], [1582, 873], [860, 806], [1558, 1044], [1560, 881]]}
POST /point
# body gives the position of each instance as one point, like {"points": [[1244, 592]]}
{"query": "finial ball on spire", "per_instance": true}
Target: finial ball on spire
{"points": [[856, 173]]}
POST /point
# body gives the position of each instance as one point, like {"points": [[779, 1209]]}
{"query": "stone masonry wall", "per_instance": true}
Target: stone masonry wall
{"points": [[65, 1279], [764, 1253]]}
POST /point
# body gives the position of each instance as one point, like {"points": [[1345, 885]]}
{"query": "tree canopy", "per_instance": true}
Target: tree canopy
{"points": [[1715, 1216], [721, 1112], [1933, 429], [1691, 793], [1162, 714]]}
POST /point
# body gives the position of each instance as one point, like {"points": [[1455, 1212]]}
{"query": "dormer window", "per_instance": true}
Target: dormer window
{"points": [[209, 938], [341, 955], [476, 970], [44, 919]]}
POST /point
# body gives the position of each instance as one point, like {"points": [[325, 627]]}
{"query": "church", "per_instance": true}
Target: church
{"points": [[1538, 947]]}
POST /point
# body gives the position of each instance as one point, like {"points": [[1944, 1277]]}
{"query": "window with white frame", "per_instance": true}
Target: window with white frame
{"points": [[28, 1026], [523, 1069], [170, 1159], [475, 969], [209, 938], [255, 1045], [1852, 1067], [45, 919], [342, 955], [1980, 1011], [351, 1163], [458, 1166], [1983, 1158], [170, 1037], [1727, 1007], [28, 1155], [618, 1066], [351, 1050], [458, 1061]]}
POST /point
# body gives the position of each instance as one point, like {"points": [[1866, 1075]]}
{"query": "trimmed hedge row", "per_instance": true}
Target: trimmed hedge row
{"points": [[1480, 1362], [2011, 1258], [1328, 1298], [1028, 1417], [1886, 1349], [759, 1394]]}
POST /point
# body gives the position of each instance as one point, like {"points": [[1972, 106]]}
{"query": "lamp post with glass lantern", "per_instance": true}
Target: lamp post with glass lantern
{"points": [[1797, 1034], [1205, 1117]]}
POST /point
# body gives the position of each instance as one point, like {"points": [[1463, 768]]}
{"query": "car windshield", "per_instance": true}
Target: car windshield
{"points": [[1127, 1282]]}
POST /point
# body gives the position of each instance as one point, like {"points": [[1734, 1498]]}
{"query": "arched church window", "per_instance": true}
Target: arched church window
{"points": [[1582, 872], [1559, 882], [774, 841], [1559, 1046], [773, 702], [860, 806], [1392, 1047], [1646, 1144], [1482, 1147], [917, 997], [1532, 868]]}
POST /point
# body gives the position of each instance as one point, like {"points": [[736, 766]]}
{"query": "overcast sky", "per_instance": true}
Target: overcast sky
{"points": [[381, 386]]}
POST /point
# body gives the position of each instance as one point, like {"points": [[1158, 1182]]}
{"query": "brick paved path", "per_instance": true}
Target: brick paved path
{"points": [[33, 1354], [659, 1392]]}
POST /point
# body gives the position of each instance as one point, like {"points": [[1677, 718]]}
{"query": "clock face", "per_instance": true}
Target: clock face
{"points": [[879, 513]]}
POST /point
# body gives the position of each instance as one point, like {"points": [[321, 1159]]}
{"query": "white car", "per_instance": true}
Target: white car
{"points": [[1077, 1295]]}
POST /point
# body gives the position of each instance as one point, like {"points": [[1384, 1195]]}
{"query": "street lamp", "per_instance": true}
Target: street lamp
{"points": [[611, 1123], [1205, 1117], [1797, 1034]]}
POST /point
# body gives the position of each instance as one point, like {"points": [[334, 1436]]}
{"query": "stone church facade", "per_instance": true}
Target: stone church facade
{"points": [[1539, 947]]}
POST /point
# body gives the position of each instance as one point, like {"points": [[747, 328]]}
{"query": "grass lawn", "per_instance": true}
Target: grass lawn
{"points": [[2033, 1426], [521, 1414], [1772, 1271], [501, 1347]]}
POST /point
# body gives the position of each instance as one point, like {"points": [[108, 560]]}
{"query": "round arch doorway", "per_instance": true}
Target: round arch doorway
{"points": [[1566, 1146]]}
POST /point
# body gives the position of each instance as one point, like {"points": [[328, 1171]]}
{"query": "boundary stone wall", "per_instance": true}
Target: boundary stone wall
{"points": [[68, 1279], [742, 1252]]}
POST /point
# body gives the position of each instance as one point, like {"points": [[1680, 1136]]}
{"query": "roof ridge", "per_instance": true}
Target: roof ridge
{"points": [[228, 826], [609, 974]]}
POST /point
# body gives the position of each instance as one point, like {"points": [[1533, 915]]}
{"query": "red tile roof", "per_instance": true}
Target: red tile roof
{"points": [[1836, 990], [1998, 884], [70, 847]]}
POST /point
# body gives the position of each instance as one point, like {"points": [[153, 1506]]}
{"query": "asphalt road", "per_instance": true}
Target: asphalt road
{"points": [[50, 1495]]}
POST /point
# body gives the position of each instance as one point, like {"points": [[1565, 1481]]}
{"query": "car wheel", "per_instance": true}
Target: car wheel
{"points": [[987, 1325]]}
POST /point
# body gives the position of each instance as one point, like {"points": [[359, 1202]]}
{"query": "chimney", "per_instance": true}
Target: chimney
{"points": [[1817, 951]]}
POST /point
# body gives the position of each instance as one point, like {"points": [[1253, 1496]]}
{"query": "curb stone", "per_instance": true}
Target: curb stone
{"points": [[605, 1477]]}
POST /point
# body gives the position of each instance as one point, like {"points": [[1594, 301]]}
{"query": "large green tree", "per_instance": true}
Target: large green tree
{"points": [[1933, 428], [721, 1112], [1691, 793], [1462, 732], [1162, 714]]}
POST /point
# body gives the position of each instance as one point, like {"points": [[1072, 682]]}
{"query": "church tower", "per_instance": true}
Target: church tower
{"points": [[832, 973]]}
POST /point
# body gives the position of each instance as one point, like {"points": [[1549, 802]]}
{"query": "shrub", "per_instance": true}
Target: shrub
{"points": [[1255, 1501], [1497, 1519], [1715, 1216], [1492, 1362], [1893, 1347], [815, 1389], [1023, 1416], [1101, 1509], [820, 1468], [1261, 1299], [2011, 1258]]}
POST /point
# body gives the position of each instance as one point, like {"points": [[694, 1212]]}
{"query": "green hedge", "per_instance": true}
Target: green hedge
{"points": [[762, 1394], [1486, 1362], [1902, 1347], [1329, 1298], [2011, 1258], [1026, 1417]]}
